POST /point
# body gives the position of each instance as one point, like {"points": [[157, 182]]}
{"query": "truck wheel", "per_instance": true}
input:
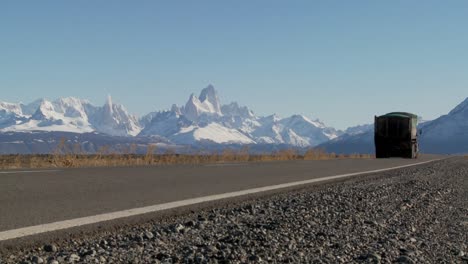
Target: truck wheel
{"points": [[409, 153], [413, 152], [380, 154]]}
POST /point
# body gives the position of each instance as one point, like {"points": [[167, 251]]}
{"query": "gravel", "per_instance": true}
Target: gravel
{"points": [[412, 215]]}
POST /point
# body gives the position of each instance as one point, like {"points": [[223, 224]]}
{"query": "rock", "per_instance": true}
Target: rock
{"points": [[190, 224], [255, 258], [36, 259], [179, 228], [373, 257], [50, 248], [149, 235], [404, 259], [53, 261], [91, 253], [73, 258]]}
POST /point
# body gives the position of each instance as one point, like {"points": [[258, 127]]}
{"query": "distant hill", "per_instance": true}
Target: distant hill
{"points": [[447, 134]]}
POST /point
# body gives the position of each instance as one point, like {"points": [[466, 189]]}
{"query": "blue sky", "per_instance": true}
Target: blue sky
{"points": [[340, 61]]}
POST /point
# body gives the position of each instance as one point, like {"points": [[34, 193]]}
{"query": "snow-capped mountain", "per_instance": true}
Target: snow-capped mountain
{"points": [[207, 105], [10, 114], [296, 130], [446, 134], [113, 119], [359, 129], [68, 115], [202, 119], [205, 119]]}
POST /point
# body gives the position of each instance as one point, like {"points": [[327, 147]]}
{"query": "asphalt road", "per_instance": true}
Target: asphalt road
{"points": [[30, 198]]}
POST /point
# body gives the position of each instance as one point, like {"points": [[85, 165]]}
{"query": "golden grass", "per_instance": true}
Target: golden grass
{"points": [[65, 156]]}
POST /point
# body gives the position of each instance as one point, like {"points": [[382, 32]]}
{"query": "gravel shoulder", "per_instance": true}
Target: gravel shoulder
{"points": [[411, 215]]}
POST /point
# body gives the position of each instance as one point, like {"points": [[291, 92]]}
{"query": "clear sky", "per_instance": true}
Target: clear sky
{"points": [[340, 61]]}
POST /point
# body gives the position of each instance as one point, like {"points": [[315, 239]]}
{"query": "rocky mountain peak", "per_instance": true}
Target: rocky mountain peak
{"points": [[209, 94], [462, 107]]}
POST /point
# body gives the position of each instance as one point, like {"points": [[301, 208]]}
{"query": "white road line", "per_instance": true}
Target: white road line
{"points": [[38, 229], [28, 171]]}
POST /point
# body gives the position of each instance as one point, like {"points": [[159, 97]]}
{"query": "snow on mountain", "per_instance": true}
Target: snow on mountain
{"points": [[210, 96], [269, 132], [30, 108], [165, 123], [206, 105], [204, 116], [359, 129], [73, 115], [65, 115], [10, 113], [10, 108], [239, 117], [234, 110], [212, 133], [201, 119], [296, 130], [114, 119]]}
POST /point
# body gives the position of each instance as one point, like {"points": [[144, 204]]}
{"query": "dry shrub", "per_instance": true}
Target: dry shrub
{"points": [[360, 156], [67, 155], [286, 154], [318, 154]]}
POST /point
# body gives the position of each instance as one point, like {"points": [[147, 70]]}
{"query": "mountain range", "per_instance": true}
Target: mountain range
{"points": [[447, 134], [202, 121]]}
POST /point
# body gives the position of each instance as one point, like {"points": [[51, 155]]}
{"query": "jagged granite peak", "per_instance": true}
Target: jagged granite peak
{"points": [[108, 103], [44, 111], [31, 108], [233, 109], [114, 119], [192, 108], [274, 118], [14, 108], [201, 119], [209, 94], [359, 129], [176, 109], [207, 104], [73, 107], [10, 113]]}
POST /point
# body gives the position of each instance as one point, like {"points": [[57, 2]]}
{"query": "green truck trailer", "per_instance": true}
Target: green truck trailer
{"points": [[395, 135]]}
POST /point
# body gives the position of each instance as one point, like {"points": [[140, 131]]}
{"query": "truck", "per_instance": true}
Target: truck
{"points": [[396, 135]]}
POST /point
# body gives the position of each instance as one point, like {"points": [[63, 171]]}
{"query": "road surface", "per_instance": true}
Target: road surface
{"points": [[35, 197]]}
